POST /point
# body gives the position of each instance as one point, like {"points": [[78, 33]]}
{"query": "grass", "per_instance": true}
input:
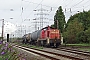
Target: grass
{"points": [[83, 49], [1, 58], [37, 47], [77, 44], [9, 54], [31, 46]]}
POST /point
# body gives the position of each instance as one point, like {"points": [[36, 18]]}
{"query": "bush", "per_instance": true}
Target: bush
{"points": [[7, 52]]}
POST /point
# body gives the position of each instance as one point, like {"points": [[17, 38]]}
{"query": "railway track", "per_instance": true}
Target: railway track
{"points": [[75, 51], [48, 54], [84, 54]]}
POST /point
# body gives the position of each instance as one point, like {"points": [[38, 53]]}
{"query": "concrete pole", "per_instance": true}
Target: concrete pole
{"points": [[57, 25], [2, 29]]}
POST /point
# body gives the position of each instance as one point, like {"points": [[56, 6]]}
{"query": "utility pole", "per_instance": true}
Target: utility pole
{"points": [[25, 31], [57, 24], [2, 29]]}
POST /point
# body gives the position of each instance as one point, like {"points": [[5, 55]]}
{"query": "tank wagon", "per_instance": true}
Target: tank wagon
{"points": [[45, 37], [26, 38]]}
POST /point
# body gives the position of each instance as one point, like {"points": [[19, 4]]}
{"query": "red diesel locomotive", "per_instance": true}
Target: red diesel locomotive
{"points": [[47, 36]]}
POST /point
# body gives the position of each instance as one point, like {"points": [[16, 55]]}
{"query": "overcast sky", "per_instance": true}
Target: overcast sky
{"points": [[11, 11]]}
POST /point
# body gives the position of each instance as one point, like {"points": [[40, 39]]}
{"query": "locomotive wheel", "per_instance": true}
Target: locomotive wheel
{"points": [[38, 43]]}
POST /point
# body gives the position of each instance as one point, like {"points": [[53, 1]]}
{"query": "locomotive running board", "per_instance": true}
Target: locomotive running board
{"points": [[42, 39]]}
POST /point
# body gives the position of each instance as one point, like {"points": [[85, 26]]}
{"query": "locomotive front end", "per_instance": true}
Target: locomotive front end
{"points": [[54, 37]]}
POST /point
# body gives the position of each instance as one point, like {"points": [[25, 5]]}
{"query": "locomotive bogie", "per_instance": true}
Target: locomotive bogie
{"points": [[49, 42], [54, 43]]}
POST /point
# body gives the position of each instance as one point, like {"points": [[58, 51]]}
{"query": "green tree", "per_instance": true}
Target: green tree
{"points": [[81, 37], [72, 30], [59, 19], [82, 17], [87, 34], [53, 26]]}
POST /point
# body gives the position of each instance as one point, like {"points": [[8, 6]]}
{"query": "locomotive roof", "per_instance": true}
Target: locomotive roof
{"points": [[47, 27]]}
